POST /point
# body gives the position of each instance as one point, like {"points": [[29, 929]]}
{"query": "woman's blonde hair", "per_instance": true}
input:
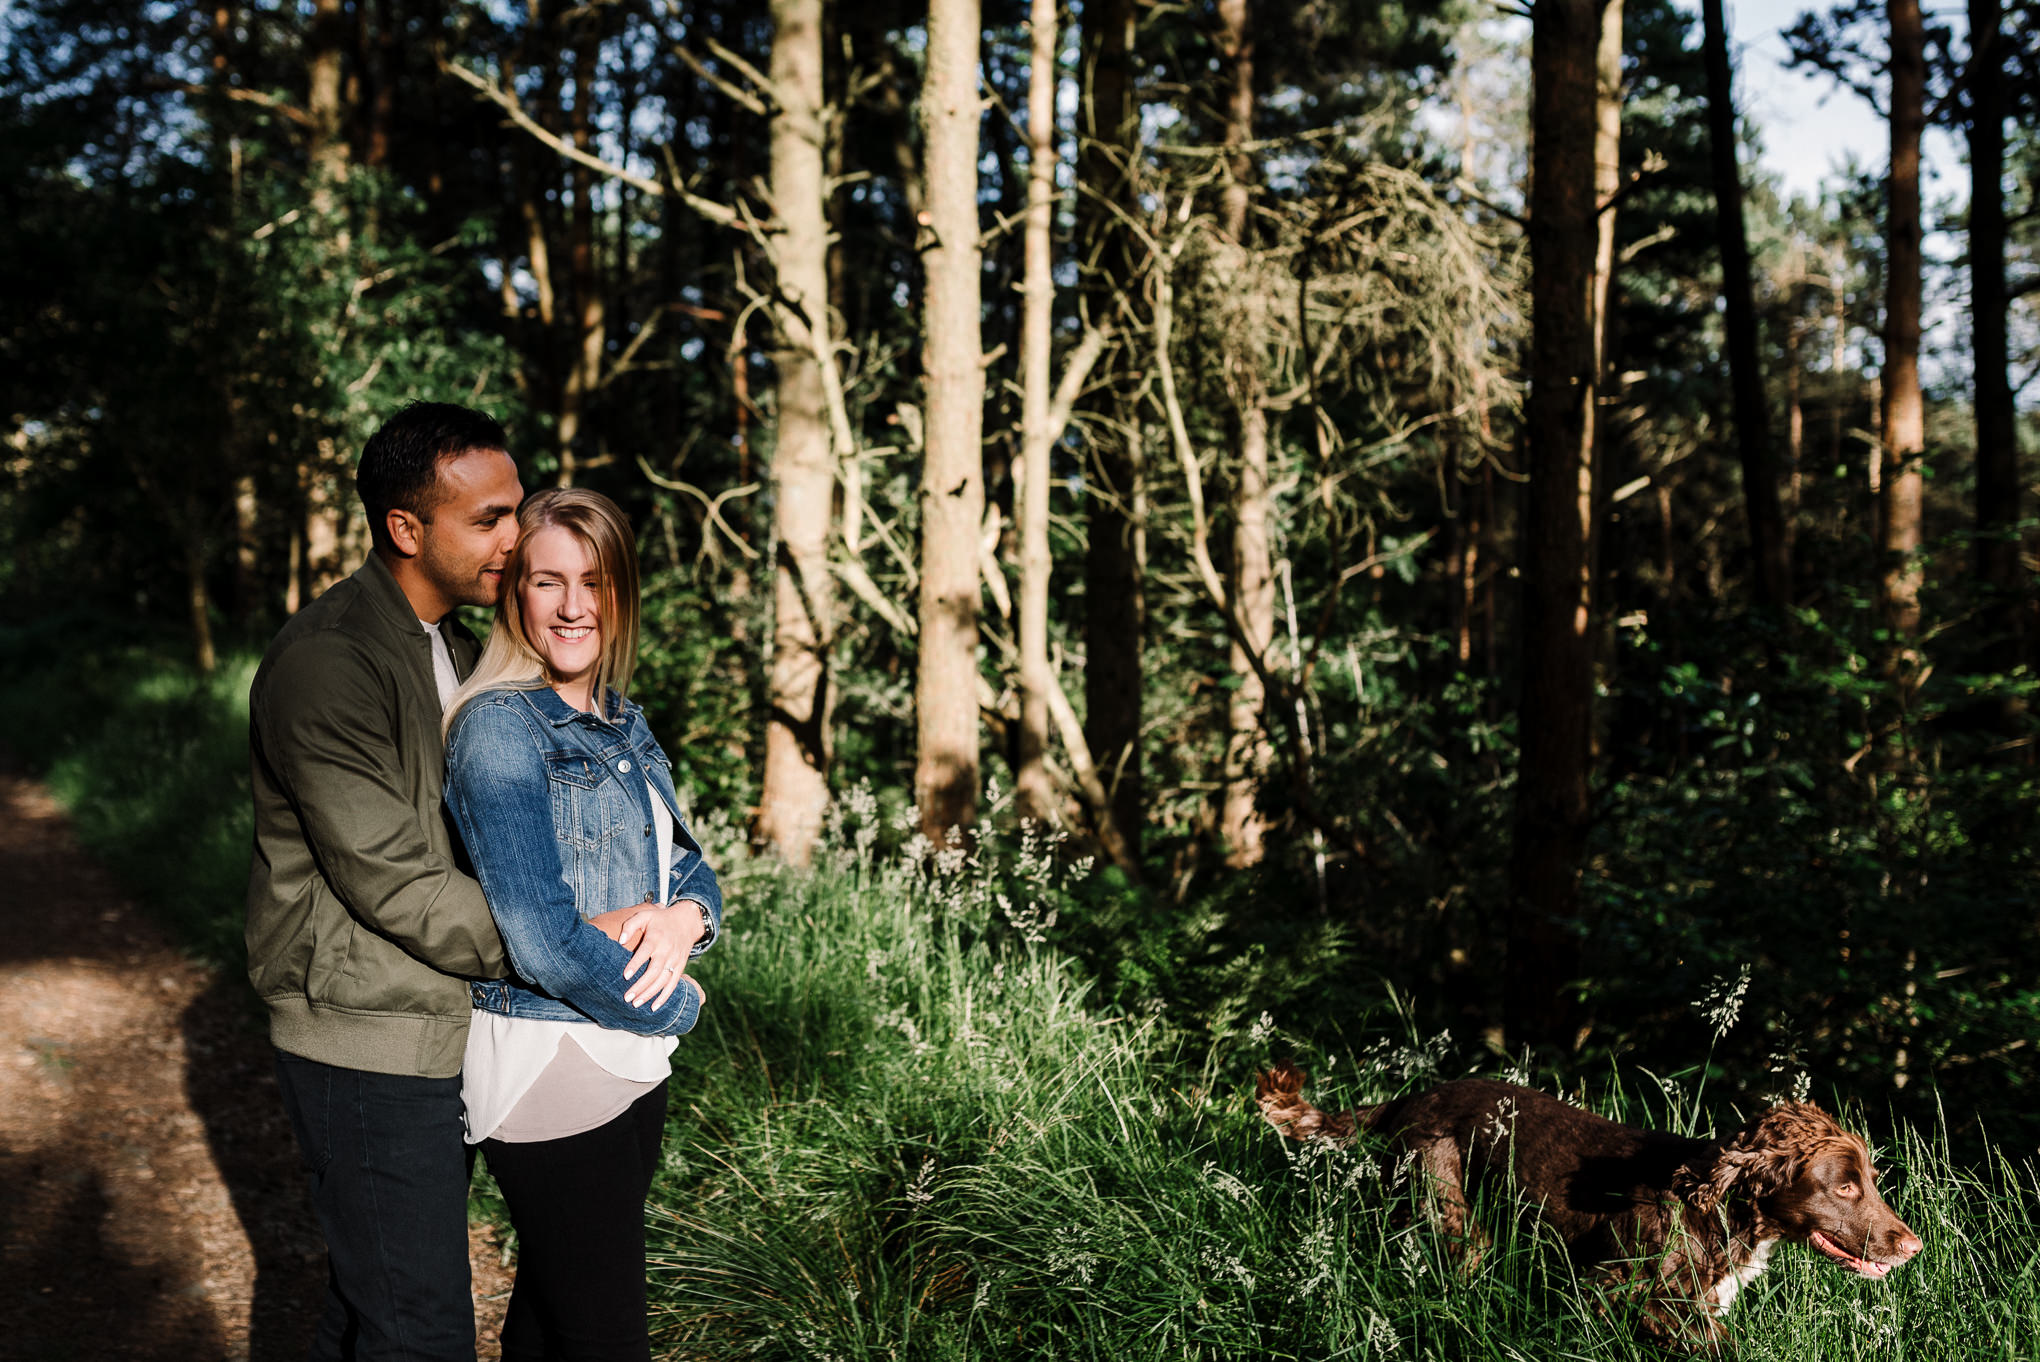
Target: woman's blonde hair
{"points": [[508, 661]]}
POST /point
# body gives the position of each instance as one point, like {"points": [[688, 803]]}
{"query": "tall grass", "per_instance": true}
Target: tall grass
{"points": [[903, 1131], [150, 759]]}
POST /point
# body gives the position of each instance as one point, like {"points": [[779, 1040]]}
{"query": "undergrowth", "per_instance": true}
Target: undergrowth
{"points": [[914, 1124], [904, 1129]]}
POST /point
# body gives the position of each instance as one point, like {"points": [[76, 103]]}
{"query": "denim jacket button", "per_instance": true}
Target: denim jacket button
{"points": [[648, 829], [623, 766]]}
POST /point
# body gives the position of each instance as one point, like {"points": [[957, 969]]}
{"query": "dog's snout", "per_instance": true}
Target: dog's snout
{"points": [[1906, 1244]]}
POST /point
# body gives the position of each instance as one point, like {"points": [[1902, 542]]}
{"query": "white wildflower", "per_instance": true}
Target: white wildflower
{"points": [[1381, 1335], [1260, 1031], [923, 1190], [1723, 1003], [1501, 1122], [1223, 1265], [1067, 1262], [1225, 1182], [1410, 1259]]}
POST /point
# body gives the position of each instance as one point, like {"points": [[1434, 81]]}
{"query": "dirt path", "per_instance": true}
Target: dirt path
{"points": [[151, 1204]]}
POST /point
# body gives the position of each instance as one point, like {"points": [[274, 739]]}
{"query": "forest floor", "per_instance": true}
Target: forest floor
{"points": [[151, 1202]]}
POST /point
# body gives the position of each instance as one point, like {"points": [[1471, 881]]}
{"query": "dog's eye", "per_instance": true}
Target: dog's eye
{"points": [[1848, 1189]]}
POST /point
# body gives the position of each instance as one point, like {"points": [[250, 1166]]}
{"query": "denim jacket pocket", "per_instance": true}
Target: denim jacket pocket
{"points": [[584, 814]]}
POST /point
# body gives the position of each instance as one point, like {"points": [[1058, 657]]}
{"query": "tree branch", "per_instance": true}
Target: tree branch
{"points": [[720, 214]]}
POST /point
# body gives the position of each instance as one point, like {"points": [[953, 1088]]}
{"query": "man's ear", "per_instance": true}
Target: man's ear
{"points": [[407, 532]]}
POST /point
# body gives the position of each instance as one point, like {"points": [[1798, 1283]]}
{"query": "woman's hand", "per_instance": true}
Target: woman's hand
{"points": [[663, 940]]}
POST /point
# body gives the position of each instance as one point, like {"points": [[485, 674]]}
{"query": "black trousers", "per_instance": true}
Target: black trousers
{"points": [[389, 1174], [578, 1205]]}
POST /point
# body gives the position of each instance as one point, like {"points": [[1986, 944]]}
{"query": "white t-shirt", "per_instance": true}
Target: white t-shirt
{"points": [[523, 1070], [443, 674]]}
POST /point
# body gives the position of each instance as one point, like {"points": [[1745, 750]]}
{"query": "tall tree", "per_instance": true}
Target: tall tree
{"points": [[1768, 551], [952, 480], [1035, 790], [1252, 590], [1557, 695], [800, 693], [1997, 431], [1903, 407], [1608, 101], [320, 475], [587, 313], [1115, 611]]}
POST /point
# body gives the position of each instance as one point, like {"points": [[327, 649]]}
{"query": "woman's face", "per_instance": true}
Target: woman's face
{"points": [[561, 597]]}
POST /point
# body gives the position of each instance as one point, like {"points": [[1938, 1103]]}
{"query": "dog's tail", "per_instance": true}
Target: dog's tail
{"points": [[1280, 1093]]}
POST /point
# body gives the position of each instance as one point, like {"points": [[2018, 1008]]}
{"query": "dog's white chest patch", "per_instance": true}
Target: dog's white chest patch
{"points": [[1736, 1278]]}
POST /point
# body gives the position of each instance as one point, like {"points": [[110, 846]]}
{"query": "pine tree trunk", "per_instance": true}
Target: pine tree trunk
{"points": [[1773, 571], [1036, 792], [952, 479], [197, 595], [327, 158], [799, 693], [1115, 613], [584, 363], [1252, 588], [1608, 98], [1997, 433], [1904, 412], [327, 153], [1557, 695]]}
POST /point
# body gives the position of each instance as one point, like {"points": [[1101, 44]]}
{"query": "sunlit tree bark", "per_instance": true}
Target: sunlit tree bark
{"points": [[1036, 791], [1904, 412], [952, 481], [797, 732], [1247, 749]]}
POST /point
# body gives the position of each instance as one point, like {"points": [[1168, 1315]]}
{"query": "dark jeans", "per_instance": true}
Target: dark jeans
{"points": [[389, 1178], [578, 1205]]}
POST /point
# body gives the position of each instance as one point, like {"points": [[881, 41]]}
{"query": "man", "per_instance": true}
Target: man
{"points": [[362, 932]]}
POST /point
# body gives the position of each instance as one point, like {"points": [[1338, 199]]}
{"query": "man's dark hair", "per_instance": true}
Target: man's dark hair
{"points": [[399, 468]]}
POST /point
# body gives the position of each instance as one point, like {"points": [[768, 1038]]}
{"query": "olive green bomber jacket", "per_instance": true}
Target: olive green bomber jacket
{"points": [[362, 929]]}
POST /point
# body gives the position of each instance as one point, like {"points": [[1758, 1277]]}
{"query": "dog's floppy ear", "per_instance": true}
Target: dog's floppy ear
{"points": [[1734, 1174], [1758, 1160], [1282, 1082]]}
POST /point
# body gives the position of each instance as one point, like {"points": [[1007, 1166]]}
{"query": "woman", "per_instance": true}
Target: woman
{"points": [[566, 806]]}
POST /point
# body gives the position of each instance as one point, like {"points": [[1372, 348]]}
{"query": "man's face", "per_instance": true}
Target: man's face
{"points": [[471, 527]]}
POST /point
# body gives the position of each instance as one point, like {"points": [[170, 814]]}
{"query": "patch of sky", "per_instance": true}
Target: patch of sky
{"points": [[691, 349]]}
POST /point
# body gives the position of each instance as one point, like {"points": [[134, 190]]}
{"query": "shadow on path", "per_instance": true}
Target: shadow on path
{"points": [[150, 1206]]}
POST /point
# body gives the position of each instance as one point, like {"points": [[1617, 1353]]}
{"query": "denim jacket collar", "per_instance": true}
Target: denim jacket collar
{"points": [[558, 712]]}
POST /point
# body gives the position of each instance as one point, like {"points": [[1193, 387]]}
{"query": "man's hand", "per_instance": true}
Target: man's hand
{"points": [[662, 939]]}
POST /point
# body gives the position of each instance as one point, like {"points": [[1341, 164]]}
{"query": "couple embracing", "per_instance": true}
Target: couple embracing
{"points": [[472, 904]]}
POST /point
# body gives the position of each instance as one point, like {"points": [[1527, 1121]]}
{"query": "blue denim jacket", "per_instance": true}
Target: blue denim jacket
{"points": [[552, 806]]}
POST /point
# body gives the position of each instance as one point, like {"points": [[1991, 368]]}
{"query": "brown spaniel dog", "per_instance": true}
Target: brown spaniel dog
{"points": [[1679, 1225]]}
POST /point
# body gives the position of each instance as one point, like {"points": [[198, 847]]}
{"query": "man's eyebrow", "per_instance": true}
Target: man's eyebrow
{"points": [[494, 512]]}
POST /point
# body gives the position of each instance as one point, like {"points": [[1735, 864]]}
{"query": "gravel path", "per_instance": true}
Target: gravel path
{"points": [[151, 1205]]}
